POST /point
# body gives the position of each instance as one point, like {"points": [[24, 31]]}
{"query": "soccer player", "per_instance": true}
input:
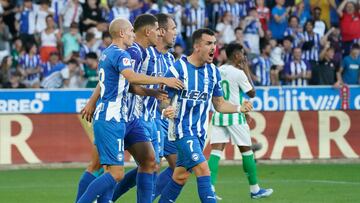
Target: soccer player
{"points": [[189, 128], [141, 150], [115, 73], [235, 75]]}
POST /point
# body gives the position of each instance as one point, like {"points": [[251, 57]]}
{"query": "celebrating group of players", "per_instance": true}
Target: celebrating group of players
{"points": [[154, 107]]}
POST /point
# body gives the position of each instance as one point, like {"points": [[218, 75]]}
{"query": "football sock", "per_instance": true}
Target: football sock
{"points": [[206, 194], [98, 187], [84, 182], [213, 163], [170, 192], [128, 182], [163, 179], [144, 183], [249, 167], [106, 197], [155, 175]]}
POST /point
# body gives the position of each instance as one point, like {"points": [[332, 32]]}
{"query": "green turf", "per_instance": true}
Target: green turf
{"points": [[291, 183]]}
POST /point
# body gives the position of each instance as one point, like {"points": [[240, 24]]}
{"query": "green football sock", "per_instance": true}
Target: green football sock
{"points": [[249, 167], [213, 162]]}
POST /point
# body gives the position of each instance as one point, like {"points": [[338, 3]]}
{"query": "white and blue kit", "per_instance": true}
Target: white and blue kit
{"points": [[192, 109], [111, 112]]}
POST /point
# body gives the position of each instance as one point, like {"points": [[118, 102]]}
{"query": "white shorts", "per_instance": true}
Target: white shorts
{"points": [[238, 134]]}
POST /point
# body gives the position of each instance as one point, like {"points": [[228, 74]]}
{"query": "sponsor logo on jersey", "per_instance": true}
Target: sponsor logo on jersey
{"points": [[126, 62], [194, 95], [195, 157]]}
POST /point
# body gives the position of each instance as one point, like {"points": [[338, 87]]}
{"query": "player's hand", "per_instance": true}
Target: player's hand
{"points": [[246, 107], [161, 94], [88, 111], [173, 83], [169, 112], [248, 118]]}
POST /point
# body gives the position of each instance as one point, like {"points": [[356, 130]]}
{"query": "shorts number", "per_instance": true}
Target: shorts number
{"points": [[101, 81], [226, 89], [121, 145], [190, 142]]}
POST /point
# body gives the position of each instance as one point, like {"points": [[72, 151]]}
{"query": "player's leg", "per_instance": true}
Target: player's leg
{"points": [[138, 143], [219, 138], [90, 173], [109, 137], [156, 141], [240, 135]]}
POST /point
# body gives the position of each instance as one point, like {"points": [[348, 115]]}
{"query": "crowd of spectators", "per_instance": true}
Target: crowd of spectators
{"points": [[56, 43]]}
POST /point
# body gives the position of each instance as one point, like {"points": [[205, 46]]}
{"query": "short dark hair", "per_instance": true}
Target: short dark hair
{"points": [[263, 45], [238, 28], [163, 19], [307, 22], [91, 55], [288, 38], [355, 46], [105, 35], [144, 20], [293, 16], [89, 36], [197, 34], [232, 48], [73, 61]]}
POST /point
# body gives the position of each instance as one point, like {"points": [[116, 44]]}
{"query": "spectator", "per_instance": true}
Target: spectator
{"points": [[277, 63], [178, 51], [5, 71], [235, 10], [30, 66], [261, 66], [264, 13], [87, 47], [27, 22], [312, 43], [92, 15], [71, 40], [71, 14], [17, 52], [135, 7], [10, 11], [287, 49], [253, 31], [57, 7], [4, 39], [278, 21], [90, 69], [350, 67], [324, 7], [320, 25], [324, 72], [41, 15], [106, 41], [195, 17], [302, 12], [55, 74], [50, 38], [297, 71], [14, 81], [119, 10], [221, 58], [239, 38], [151, 7], [295, 31], [350, 18], [225, 29], [75, 75]]}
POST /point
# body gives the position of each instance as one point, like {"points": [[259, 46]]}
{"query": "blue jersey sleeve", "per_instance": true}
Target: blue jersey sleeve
{"points": [[135, 56], [122, 61], [218, 92]]}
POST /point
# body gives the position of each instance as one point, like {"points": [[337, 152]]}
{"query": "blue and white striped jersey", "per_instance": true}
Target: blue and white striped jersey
{"points": [[30, 62], [297, 36], [27, 20], [194, 101], [118, 12], [197, 17], [295, 68], [236, 10], [167, 60], [138, 55], [313, 53], [261, 68], [113, 85]]}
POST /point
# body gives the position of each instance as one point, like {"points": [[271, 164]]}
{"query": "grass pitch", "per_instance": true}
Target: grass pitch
{"points": [[291, 183]]}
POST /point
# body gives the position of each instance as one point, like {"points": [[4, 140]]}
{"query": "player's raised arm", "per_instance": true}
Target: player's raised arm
{"points": [[223, 106], [141, 79]]}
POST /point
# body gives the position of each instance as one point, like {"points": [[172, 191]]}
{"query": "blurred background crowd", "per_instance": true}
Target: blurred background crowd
{"points": [[56, 43]]}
